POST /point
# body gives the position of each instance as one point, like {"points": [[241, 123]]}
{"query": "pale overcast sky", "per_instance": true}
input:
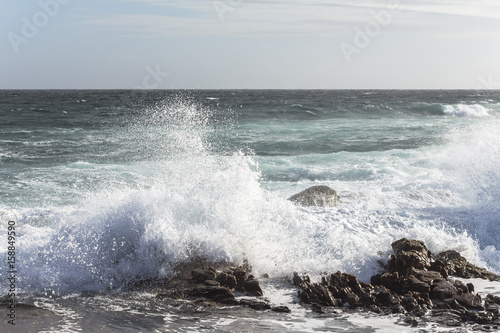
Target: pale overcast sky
{"points": [[233, 44]]}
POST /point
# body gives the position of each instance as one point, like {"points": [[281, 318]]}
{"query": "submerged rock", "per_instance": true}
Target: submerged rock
{"points": [[316, 196]]}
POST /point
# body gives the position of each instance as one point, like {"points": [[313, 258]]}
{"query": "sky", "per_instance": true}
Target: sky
{"points": [[249, 44]]}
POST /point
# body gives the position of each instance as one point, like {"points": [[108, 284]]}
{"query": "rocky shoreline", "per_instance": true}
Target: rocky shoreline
{"points": [[414, 284], [212, 287]]}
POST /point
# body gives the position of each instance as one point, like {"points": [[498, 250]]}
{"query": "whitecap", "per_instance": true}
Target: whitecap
{"points": [[464, 110]]}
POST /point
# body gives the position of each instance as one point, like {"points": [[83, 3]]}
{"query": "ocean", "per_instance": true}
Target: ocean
{"points": [[106, 188]]}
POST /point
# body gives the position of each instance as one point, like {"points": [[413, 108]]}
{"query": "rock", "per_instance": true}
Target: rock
{"points": [[418, 286], [409, 302], [447, 317], [316, 196], [256, 305], [175, 294], [484, 318], [304, 296], [439, 266], [453, 304], [411, 321], [459, 266], [227, 280], [397, 309], [299, 281], [252, 287], [202, 275], [342, 281], [282, 309], [390, 281], [323, 296], [241, 276], [353, 300], [384, 296], [493, 299], [470, 301], [218, 294], [462, 288], [318, 308], [408, 254], [211, 283], [443, 290], [426, 276], [470, 288], [412, 273], [492, 308]]}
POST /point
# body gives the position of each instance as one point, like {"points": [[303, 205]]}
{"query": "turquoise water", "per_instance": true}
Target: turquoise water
{"points": [[108, 187]]}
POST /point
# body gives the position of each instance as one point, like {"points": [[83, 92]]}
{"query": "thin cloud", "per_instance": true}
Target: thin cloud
{"points": [[481, 8], [281, 17]]}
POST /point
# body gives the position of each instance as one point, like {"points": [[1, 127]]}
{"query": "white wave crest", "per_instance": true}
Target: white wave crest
{"points": [[464, 110]]}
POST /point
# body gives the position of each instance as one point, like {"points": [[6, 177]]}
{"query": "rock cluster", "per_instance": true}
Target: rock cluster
{"points": [[413, 284], [458, 266], [210, 285]]}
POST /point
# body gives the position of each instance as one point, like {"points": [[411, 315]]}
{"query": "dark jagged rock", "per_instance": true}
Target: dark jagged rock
{"points": [[457, 265], [412, 285], [470, 301], [426, 276], [470, 288], [384, 297], [494, 299], [211, 283], [492, 307], [256, 305], [447, 318], [210, 287], [252, 286], [411, 321], [390, 281], [409, 302], [408, 253], [443, 289], [241, 276], [218, 294], [227, 280], [418, 285], [202, 275], [281, 308], [316, 196], [440, 267]]}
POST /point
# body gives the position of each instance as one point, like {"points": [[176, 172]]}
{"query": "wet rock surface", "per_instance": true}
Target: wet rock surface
{"points": [[212, 287], [414, 285], [316, 196], [457, 265]]}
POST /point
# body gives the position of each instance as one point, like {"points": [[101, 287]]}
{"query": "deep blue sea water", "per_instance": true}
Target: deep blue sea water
{"points": [[108, 187]]}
